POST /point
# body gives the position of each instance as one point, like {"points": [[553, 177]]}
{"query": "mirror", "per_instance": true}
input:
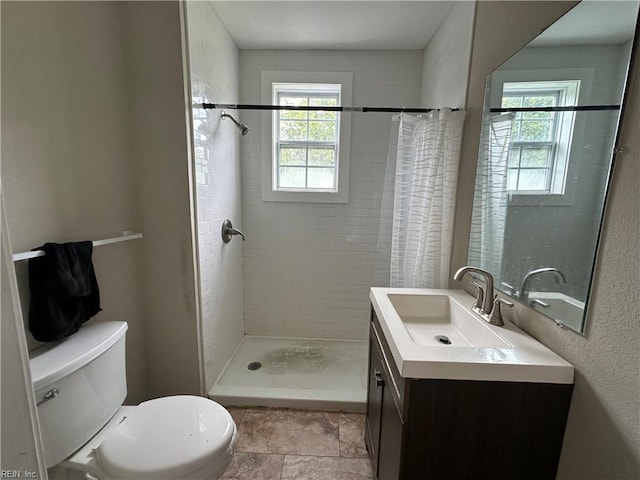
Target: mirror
{"points": [[549, 130]]}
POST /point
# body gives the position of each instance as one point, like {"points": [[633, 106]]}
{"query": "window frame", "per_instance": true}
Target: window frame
{"points": [[302, 90], [307, 81], [494, 99], [566, 94]]}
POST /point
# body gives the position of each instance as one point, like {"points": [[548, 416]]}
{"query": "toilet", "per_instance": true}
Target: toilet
{"points": [[80, 385]]}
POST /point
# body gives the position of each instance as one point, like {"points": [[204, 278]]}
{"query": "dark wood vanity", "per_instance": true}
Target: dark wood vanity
{"points": [[439, 429]]}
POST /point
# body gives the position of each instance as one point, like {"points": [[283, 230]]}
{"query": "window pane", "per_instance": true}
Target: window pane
{"points": [[293, 130], [323, 102], [512, 179], [540, 101], [292, 177], [322, 131], [535, 157], [534, 179], [291, 100], [536, 130], [515, 131], [293, 156], [511, 102], [293, 114], [323, 116], [321, 178], [537, 115], [514, 157], [322, 157]]}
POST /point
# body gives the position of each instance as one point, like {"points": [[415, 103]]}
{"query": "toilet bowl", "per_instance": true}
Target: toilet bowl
{"points": [[80, 386]]}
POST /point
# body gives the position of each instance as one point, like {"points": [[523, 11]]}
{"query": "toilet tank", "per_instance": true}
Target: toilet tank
{"points": [[79, 383]]}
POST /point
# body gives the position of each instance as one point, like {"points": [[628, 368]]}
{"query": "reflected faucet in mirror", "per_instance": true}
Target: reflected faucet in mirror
{"points": [[523, 293]]}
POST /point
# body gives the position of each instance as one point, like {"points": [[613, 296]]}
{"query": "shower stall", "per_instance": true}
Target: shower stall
{"points": [[285, 311]]}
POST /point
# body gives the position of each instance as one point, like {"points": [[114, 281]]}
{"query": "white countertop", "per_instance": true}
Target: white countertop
{"points": [[525, 360]]}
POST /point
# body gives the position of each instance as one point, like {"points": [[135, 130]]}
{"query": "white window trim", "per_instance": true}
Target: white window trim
{"points": [[341, 194], [585, 75]]}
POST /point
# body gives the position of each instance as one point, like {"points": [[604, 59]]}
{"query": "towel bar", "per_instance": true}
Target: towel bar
{"points": [[96, 243]]}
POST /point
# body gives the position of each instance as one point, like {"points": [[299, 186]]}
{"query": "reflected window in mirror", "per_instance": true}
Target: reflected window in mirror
{"points": [[540, 140]]}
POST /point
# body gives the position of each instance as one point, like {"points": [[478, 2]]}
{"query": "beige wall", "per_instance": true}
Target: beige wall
{"points": [[602, 436], [94, 142], [160, 147], [66, 162], [445, 63]]}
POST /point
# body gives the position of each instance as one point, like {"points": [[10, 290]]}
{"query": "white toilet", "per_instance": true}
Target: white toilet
{"points": [[80, 384]]}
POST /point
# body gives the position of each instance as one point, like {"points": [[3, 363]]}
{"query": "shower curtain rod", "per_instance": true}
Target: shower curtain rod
{"points": [[581, 108], [228, 106]]}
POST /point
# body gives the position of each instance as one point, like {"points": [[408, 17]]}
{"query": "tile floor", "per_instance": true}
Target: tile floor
{"points": [[287, 444]]}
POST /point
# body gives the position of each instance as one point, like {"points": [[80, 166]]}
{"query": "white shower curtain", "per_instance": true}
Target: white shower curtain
{"points": [[416, 225], [490, 195]]}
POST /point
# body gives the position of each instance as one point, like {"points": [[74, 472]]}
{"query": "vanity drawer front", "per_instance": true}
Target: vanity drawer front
{"points": [[397, 385]]}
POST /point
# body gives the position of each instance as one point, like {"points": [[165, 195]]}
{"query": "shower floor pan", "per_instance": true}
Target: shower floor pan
{"points": [[295, 373]]}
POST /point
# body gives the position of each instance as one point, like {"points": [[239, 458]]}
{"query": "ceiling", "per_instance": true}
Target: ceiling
{"points": [[592, 23], [332, 25]]}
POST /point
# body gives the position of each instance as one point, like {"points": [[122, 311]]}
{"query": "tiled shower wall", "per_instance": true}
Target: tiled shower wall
{"points": [[308, 267], [214, 78]]}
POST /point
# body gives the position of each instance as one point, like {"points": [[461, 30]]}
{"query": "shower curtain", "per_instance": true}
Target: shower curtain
{"points": [[416, 221], [490, 200]]}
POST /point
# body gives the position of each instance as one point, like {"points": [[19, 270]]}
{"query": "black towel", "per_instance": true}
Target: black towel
{"points": [[64, 290]]}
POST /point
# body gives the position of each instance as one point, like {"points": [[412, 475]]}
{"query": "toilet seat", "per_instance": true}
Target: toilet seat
{"points": [[169, 438]]}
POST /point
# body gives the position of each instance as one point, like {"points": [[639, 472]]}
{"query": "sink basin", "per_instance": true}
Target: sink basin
{"points": [[433, 333], [430, 319]]}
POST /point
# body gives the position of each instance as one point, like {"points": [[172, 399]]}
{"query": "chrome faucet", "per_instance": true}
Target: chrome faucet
{"points": [[523, 294], [486, 304]]}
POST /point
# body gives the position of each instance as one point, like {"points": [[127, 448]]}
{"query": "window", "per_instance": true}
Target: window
{"points": [[540, 141], [306, 153], [306, 145]]}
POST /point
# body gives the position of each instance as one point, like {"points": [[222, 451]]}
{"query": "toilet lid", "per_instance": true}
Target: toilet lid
{"points": [[167, 438]]}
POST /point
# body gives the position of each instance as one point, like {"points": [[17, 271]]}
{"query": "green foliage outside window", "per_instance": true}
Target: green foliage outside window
{"points": [[307, 142]]}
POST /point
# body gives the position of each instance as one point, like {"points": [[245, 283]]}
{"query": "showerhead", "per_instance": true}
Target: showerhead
{"points": [[241, 126]]}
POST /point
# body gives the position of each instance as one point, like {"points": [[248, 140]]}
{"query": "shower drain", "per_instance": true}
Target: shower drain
{"points": [[254, 366]]}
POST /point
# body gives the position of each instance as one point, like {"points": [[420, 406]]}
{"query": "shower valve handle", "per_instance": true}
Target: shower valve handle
{"points": [[228, 231]]}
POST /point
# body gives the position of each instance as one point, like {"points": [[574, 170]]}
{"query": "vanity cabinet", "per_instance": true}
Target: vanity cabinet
{"points": [[440, 429]]}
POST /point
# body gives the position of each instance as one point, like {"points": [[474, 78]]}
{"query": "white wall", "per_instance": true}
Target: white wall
{"points": [[308, 267], [602, 440], [66, 162], [214, 78], [445, 64]]}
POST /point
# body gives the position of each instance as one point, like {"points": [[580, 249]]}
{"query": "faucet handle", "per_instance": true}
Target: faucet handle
{"points": [[228, 230], [511, 289], [479, 296], [495, 317]]}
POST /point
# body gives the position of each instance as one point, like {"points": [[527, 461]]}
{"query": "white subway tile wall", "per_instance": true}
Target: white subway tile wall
{"points": [[308, 267], [214, 77]]}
